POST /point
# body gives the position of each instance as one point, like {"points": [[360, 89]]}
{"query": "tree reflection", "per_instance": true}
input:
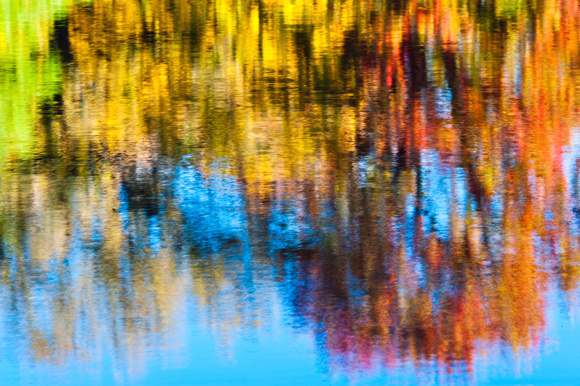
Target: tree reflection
{"points": [[403, 175]]}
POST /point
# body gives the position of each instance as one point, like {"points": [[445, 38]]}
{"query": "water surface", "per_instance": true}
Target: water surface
{"points": [[289, 192]]}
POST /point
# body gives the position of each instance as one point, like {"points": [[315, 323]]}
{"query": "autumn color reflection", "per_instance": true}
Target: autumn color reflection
{"points": [[403, 174]]}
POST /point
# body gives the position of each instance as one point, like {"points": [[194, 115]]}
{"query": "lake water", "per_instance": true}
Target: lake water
{"points": [[287, 192]]}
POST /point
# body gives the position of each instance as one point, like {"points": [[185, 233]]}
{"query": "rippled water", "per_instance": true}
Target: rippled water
{"points": [[289, 192]]}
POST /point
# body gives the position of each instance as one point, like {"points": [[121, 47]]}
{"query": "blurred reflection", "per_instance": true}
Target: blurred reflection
{"points": [[403, 174]]}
